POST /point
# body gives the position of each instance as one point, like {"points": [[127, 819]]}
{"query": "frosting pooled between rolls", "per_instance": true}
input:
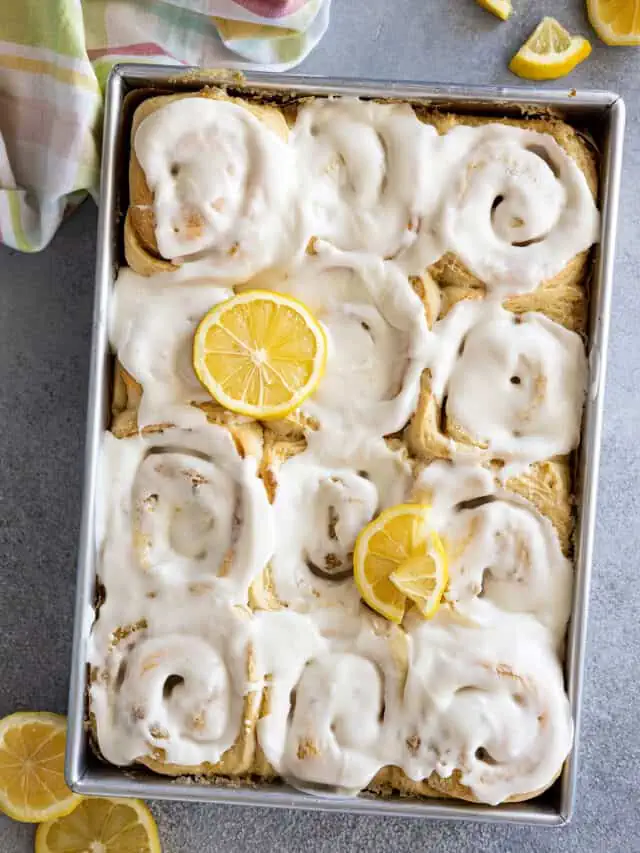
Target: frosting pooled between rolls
{"points": [[231, 638]]}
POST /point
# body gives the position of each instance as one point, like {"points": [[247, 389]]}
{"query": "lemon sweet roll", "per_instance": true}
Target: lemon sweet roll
{"points": [[336, 502]]}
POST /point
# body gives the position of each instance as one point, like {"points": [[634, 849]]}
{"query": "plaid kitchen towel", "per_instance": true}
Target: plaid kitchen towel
{"points": [[55, 56]]}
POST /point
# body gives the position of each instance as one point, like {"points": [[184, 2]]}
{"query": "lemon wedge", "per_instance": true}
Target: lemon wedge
{"points": [[549, 53], [398, 556], [500, 8], [104, 825], [615, 21], [260, 354], [32, 786], [423, 578]]}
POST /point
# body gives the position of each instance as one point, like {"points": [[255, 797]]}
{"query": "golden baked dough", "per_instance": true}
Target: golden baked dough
{"points": [[127, 393], [393, 781], [547, 485], [562, 298]]}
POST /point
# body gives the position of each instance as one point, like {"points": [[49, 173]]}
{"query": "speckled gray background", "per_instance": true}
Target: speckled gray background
{"points": [[45, 306]]}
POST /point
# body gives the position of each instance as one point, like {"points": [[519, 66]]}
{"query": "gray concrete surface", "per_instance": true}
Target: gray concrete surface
{"points": [[44, 348]]}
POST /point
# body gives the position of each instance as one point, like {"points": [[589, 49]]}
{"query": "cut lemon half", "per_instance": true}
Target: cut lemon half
{"points": [[32, 786], [615, 21], [260, 354], [500, 8], [549, 53], [101, 826], [398, 557]]}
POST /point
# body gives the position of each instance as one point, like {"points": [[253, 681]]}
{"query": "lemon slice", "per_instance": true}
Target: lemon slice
{"points": [[423, 578], [549, 53], [500, 8], [101, 826], [32, 786], [615, 21], [260, 354], [397, 556]]}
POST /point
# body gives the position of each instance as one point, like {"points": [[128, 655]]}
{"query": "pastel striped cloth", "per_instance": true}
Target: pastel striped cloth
{"points": [[55, 56]]}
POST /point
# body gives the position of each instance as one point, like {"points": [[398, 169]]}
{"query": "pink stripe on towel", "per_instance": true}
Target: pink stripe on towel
{"points": [[271, 8]]}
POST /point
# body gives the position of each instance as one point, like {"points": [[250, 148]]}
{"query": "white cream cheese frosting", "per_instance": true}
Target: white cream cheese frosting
{"points": [[183, 506], [152, 323], [222, 183], [216, 598], [323, 500], [487, 702], [513, 383], [496, 712], [517, 208], [368, 172], [376, 336], [503, 555], [178, 693], [509, 202]]}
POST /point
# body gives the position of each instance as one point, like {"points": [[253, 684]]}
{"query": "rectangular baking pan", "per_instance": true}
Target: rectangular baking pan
{"points": [[601, 115]]}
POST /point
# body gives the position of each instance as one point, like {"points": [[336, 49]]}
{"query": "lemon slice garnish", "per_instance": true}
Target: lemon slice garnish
{"points": [[260, 354], [32, 786], [501, 8], [615, 21], [549, 53], [105, 825], [423, 578], [398, 557]]}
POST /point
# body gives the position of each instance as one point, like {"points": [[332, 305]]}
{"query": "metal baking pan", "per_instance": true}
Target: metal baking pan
{"points": [[601, 115]]}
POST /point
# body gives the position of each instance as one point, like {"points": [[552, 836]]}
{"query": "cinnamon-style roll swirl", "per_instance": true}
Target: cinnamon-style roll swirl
{"points": [[211, 184], [329, 724], [500, 386], [503, 555], [486, 715], [175, 701], [186, 507], [376, 321], [321, 501], [368, 172], [518, 208]]}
